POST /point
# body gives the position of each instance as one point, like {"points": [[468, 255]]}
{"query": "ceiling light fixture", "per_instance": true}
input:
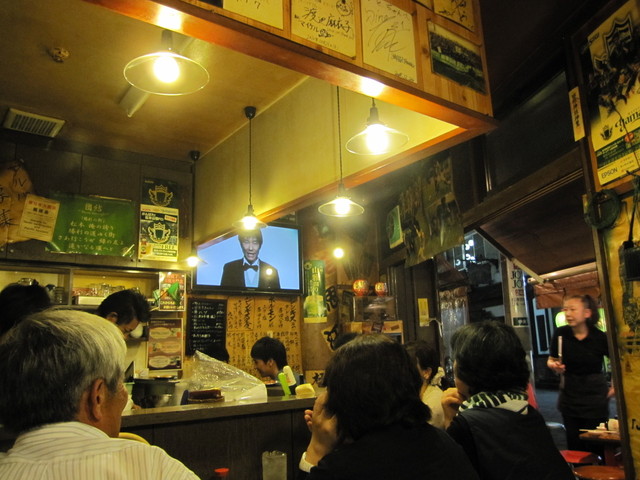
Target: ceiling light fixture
{"points": [[166, 72], [342, 205], [249, 221], [376, 138]]}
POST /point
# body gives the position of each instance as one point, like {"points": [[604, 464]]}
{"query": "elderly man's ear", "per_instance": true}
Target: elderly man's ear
{"points": [[97, 408]]}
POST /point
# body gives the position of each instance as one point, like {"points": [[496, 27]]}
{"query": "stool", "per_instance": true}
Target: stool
{"points": [[577, 457], [599, 472]]}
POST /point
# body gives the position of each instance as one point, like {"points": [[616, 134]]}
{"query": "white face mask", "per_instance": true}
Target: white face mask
{"points": [[137, 332]]}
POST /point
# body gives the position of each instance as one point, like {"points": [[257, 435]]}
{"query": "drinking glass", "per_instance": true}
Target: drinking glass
{"points": [[274, 465]]}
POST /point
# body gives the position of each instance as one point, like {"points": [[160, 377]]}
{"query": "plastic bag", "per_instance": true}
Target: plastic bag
{"points": [[235, 384]]}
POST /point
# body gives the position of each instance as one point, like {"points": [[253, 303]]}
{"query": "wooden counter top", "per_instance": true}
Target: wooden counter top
{"points": [[204, 411]]}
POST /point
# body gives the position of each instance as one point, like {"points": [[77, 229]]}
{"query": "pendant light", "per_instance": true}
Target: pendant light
{"points": [[166, 72], [376, 138], [249, 221], [342, 205]]}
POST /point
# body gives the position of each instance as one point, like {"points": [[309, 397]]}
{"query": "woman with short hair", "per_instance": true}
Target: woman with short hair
{"points": [[487, 412], [371, 424]]}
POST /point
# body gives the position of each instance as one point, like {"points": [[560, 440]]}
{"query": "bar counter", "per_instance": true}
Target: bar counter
{"points": [[223, 434]]}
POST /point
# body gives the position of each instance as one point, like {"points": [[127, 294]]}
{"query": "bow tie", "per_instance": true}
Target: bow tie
{"points": [[246, 267]]}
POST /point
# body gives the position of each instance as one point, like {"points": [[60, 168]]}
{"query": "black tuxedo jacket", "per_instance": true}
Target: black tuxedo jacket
{"points": [[233, 276]]}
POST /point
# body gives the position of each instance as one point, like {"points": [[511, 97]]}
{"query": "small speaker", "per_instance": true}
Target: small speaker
{"points": [[631, 263]]}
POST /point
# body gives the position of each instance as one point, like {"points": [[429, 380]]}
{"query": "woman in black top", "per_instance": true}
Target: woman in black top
{"points": [[371, 424], [577, 353], [488, 413]]}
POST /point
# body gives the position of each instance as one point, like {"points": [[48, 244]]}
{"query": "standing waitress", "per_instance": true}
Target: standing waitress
{"points": [[577, 353]]}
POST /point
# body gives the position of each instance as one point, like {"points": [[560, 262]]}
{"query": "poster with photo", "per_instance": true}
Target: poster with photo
{"points": [[164, 348], [429, 214], [610, 76], [456, 58], [171, 291]]}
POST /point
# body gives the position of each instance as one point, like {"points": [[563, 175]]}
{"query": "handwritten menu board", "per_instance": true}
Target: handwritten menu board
{"points": [[207, 323], [265, 11], [388, 39], [329, 23], [251, 318], [93, 225]]}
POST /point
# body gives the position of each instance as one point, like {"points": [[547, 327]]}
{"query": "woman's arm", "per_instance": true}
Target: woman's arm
{"points": [[324, 431], [556, 365], [451, 401]]}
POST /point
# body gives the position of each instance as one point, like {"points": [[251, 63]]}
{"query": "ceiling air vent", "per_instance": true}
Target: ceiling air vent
{"points": [[32, 123]]}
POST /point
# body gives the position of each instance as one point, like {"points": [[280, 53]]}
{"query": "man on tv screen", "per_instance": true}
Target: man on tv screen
{"points": [[250, 271]]}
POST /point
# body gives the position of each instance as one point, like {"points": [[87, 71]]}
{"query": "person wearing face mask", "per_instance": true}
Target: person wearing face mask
{"points": [[250, 271], [128, 309], [577, 353]]}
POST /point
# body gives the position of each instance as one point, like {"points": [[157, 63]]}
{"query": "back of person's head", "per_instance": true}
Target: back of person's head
{"points": [[268, 348], [257, 234], [49, 360], [587, 302], [424, 356], [342, 339], [372, 383], [17, 301], [217, 351], [127, 304], [489, 357]]}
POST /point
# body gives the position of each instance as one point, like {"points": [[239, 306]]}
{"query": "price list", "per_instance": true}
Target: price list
{"points": [[206, 324]]}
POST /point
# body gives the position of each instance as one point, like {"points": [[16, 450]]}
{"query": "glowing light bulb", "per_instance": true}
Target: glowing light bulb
{"points": [[249, 222], [338, 252], [342, 205], [193, 261], [269, 272], [377, 139], [166, 68]]}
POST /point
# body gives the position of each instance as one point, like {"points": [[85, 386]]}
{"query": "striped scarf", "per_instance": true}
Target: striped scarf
{"points": [[513, 400]]}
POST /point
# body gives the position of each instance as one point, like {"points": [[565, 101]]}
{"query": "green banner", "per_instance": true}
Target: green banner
{"points": [[315, 308], [94, 226]]}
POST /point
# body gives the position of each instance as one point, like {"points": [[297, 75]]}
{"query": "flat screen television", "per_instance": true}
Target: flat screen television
{"points": [[280, 269]]}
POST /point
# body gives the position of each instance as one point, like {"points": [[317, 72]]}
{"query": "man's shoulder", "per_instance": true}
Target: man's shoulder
{"points": [[233, 263]]}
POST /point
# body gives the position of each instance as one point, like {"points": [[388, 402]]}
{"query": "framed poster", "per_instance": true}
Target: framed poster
{"points": [[456, 58], [608, 58], [164, 347]]}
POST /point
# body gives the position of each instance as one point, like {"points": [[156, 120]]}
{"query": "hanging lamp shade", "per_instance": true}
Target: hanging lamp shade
{"points": [[376, 138], [249, 221], [342, 205], [166, 72]]}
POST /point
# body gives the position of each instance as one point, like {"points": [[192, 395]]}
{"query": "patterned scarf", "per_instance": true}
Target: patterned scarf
{"points": [[513, 400]]}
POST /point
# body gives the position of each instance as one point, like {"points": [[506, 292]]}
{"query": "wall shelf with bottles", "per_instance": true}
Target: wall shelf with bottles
{"points": [[67, 283]]}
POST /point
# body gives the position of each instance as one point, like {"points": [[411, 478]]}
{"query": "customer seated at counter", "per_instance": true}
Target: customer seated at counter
{"points": [[61, 391], [18, 300], [371, 424], [127, 309], [269, 357], [487, 412]]}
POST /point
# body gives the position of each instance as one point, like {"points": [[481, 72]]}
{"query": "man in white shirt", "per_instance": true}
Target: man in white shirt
{"points": [[62, 392]]}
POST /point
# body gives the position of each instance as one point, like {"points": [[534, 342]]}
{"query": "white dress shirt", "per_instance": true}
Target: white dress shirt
{"points": [[76, 451]]}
